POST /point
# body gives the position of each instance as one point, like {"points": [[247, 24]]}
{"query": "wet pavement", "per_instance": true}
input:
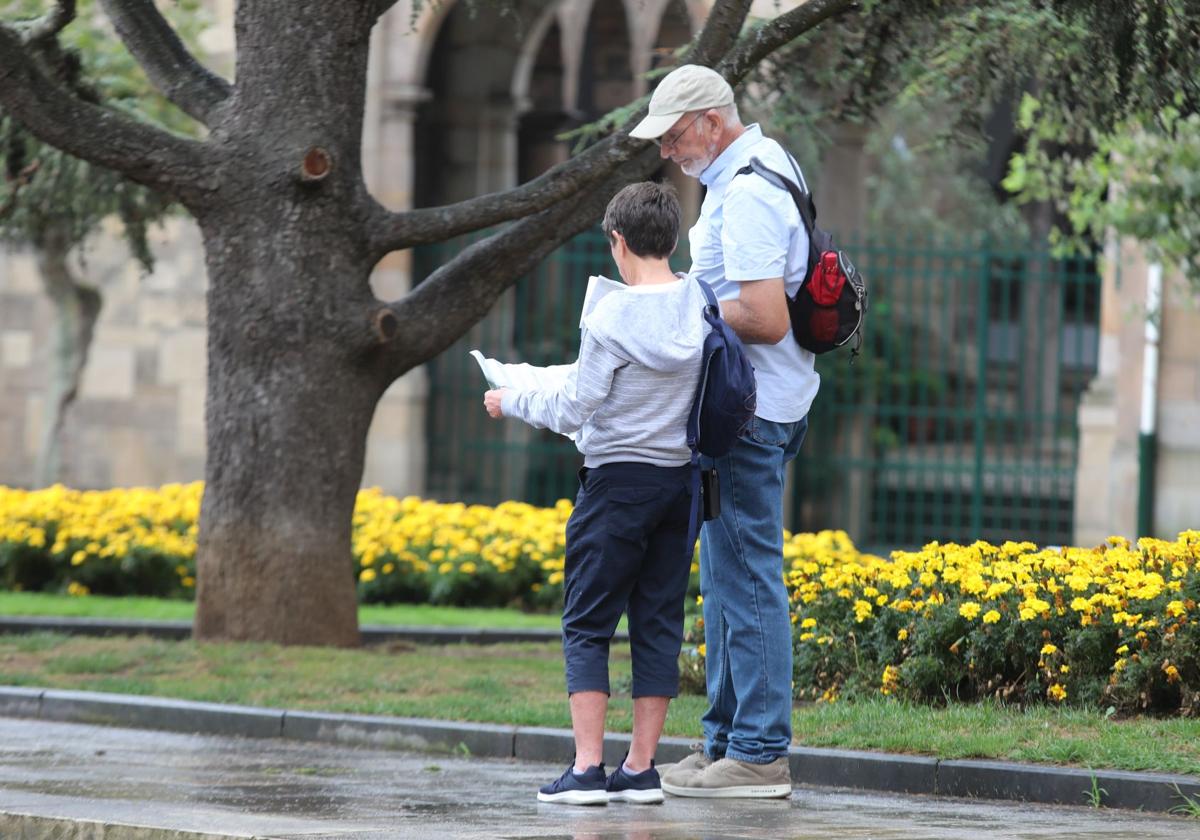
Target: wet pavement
{"points": [[200, 786]]}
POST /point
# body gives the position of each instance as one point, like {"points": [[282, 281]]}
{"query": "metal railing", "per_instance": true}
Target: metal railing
{"points": [[958, 421]]}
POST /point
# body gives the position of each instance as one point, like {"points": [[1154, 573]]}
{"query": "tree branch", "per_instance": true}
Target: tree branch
{"points": [[171, 68], [396, 231], [760, 43], [720, 30], [181, 168], [464, 289], [49, 24]]}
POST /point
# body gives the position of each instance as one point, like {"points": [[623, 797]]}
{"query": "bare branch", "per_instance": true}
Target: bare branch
{"points": [[720, 31], [148, 155], [396, 231], [760, 43], [49, 24], [15, 185], [194, 88], [464, 289]]}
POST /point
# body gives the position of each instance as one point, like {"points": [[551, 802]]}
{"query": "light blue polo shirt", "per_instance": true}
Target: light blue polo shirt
{"points": [[751, 230]]}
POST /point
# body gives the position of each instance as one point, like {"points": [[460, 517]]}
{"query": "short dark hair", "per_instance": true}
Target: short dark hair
{"points": [[647, 215]]}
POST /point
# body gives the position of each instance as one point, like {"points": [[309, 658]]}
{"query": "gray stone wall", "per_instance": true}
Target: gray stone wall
{"points": [[139, 417]]}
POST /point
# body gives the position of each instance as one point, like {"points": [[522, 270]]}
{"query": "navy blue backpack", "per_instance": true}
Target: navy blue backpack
{"points": [[726, 398]]}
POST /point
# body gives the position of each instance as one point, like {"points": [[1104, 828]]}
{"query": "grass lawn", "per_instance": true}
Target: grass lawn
{"points": [[163, 609], [523, 684]]}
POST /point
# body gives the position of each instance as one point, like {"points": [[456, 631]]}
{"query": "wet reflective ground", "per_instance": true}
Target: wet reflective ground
{"points": [[276, 789]]}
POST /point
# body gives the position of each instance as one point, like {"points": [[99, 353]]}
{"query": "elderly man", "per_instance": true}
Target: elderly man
{"points": [[751, 247]]}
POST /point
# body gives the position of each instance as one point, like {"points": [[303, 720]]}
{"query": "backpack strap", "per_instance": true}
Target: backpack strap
{"points": [[800, 195], [712, 311]]}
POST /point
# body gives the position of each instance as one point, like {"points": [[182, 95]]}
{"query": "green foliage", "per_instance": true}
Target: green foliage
{"points": [[45, 187], [1096, 81], [1142, 180]]}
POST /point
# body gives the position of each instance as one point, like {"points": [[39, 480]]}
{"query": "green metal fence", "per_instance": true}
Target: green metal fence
{"points": [[957, 422]]}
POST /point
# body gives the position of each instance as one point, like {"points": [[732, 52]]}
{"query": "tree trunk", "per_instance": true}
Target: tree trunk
{"points": [[291, 384], [289, 404], [76, 309]]}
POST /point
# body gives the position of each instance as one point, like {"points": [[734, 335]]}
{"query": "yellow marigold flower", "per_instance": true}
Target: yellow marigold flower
{"points": [[1172, 673], [969, 610], [890, 680], [366, 575], [804, 637], [1048, 649], [808, 622], [991, 617], [862, 611], [1056, 693], [1119, 665], [1123, 649], [902, 634], [702, 649], [1175, 609], [1064, 669]]}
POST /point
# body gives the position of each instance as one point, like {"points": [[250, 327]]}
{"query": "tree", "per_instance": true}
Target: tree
{"points": [[299, 349], [1106, 91], [52, 201]]}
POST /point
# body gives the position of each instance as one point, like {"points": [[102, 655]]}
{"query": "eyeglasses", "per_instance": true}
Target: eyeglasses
{"points": [[664, 141]]}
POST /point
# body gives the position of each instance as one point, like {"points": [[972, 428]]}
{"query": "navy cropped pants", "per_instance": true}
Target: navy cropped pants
{"points": [[627, 550]]}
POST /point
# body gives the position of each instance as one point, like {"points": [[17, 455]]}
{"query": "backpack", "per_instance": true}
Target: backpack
{"points": [[829, 307], [726, 397]]}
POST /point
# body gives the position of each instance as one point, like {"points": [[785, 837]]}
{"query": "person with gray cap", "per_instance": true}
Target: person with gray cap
{"points": [[751, 246]]}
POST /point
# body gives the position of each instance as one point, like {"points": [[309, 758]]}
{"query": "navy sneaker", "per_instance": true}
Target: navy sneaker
{"points": [[645, 788], [571, 788]]}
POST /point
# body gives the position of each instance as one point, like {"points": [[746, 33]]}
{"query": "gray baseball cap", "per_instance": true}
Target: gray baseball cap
{"points": [[687, 88]]}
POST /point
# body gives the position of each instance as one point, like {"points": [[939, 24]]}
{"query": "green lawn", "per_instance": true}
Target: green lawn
{"points": [[523, 684], [162, 609]]}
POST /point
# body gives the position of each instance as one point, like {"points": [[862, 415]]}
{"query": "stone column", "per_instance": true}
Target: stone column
{"points": [[1107, 473], [396, 444]]}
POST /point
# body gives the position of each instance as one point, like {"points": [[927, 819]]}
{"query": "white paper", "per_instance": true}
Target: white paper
{"points": [[598, 286], [520, 377]]}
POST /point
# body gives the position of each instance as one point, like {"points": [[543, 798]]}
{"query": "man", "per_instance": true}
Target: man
{"points": [[751, 246], [628, 396]]}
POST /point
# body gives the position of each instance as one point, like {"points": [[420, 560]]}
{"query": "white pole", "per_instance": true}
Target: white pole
{"points": [[1149, 419], [1150, 356]]}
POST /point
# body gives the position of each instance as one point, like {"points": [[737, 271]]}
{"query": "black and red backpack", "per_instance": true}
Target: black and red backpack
{"points": [[829, 307]]}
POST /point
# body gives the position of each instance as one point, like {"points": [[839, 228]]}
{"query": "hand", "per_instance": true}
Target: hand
{"points": [[491, 401]]}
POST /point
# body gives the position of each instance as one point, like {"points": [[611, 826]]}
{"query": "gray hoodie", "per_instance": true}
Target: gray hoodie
{"points": [[629, 394]]}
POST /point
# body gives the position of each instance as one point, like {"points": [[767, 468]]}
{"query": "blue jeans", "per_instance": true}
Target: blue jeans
{"points": [[747, 618]]}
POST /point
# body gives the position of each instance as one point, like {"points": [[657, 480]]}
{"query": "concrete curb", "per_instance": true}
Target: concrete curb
{"points": [[811, 766], [372, 634]]}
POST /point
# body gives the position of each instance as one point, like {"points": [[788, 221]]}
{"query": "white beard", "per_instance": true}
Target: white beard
{"points": [[695, 166]]}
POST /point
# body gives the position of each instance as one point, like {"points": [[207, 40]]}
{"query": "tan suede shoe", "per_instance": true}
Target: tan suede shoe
{"points": [[681, 772], [730, 779]]}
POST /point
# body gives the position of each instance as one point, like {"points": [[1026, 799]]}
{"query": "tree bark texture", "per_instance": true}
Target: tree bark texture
{"points": [[299, 349]]}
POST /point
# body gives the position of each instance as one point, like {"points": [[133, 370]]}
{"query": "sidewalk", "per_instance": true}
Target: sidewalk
{"points": [[897, 774], [69, 781]]}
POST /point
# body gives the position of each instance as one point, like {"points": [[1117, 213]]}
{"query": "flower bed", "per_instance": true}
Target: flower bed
{"points": [[1117, 625]]}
